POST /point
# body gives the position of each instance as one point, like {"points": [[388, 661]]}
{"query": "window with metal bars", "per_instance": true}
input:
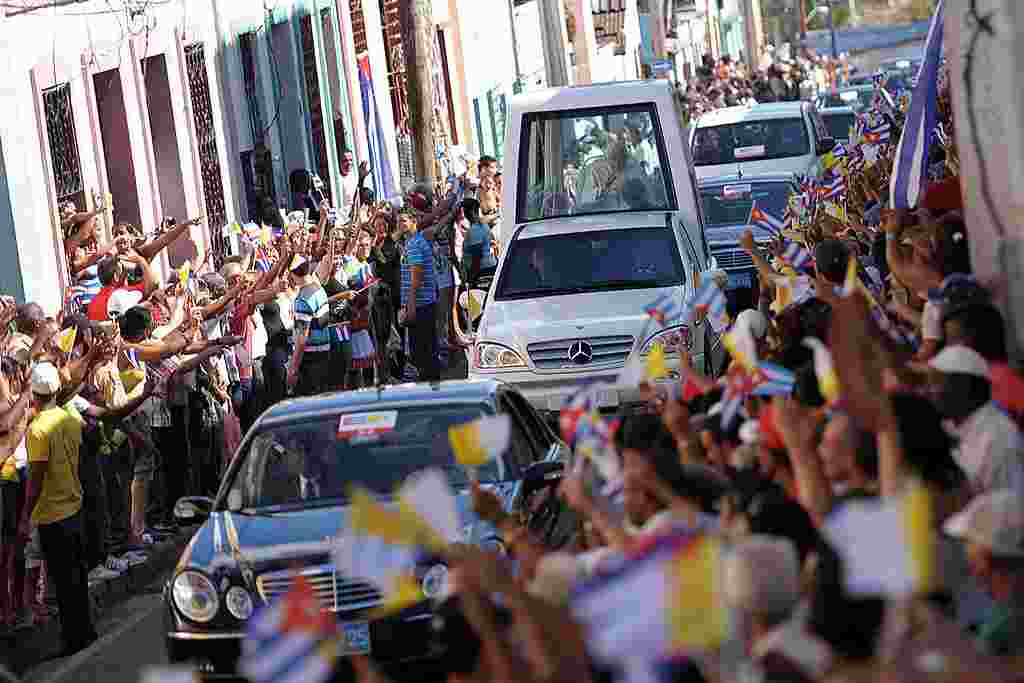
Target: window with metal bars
{"points": [[206, 135], [60, 133]]}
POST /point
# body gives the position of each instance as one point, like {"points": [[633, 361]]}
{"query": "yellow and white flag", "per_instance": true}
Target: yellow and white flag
{"points": [[66, 339], [824, 370], [480, 441]]}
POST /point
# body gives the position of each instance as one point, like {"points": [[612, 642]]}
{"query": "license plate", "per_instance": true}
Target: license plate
{"points": [[740, 281], [355, 639]]}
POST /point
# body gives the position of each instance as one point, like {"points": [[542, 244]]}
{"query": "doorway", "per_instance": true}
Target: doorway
{"points": [[117, 147]]}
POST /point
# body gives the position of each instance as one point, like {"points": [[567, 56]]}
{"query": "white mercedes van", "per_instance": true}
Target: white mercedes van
{"points": [[601, 219], [776, 137]]}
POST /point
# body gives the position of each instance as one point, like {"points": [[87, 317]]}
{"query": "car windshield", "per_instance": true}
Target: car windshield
{"points": [[580, 162], [730, 204], [750, 141], [839, 125], [601, 260], [858, 98], [315, 461]]}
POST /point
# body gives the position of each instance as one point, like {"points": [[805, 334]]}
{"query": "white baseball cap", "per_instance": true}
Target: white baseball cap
{"points": [[121, 300], [45, 379], [754, 321], [994, 520], [960, 360]]}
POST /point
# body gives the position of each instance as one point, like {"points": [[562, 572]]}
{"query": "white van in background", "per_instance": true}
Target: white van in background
{"points": [[601, 218], [778, 137]]}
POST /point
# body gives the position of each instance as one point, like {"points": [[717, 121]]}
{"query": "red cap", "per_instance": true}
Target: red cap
{"points": [[943, 196], [771, 437]]}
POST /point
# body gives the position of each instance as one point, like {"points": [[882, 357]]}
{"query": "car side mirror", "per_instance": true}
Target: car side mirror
{"points": [[193, 509], [541, 475], [825, 146]]}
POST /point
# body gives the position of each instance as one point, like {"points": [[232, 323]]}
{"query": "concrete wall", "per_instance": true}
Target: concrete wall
{"points": [[71, 45]]}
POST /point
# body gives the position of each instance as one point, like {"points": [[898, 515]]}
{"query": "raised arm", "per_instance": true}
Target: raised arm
{"points": [[150, 249]]}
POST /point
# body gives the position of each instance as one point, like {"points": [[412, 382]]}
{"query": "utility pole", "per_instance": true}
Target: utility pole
{"points": [[421, 88], [552, 22], [517, 87]]}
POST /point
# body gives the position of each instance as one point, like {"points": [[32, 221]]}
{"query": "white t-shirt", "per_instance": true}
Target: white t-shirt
{"points": [[259, 338], [349, 187]]}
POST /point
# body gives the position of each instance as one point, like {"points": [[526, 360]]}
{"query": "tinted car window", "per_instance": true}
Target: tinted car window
{"points": [[316, 461], [750, 141], [583, 161], [602, 260], [730, 204], [839, 125]]}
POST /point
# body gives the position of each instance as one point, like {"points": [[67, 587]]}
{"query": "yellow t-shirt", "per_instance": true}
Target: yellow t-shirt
{"points": [[53, 440]]}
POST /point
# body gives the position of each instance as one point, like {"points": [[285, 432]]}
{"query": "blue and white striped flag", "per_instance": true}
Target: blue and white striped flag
{"points": [[910, 174], [711, 298], [291, 641]]}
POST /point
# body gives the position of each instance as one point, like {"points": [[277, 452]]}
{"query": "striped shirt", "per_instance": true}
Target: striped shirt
{"points": [[310, 309], [418, 252]]}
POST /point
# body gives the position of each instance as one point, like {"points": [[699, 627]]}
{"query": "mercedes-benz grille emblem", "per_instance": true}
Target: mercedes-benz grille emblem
{"points": [[581, 353]]}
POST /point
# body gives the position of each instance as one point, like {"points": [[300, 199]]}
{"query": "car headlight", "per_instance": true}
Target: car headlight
{"points": [[488, 356], [239, 603], [673, 340], [435, 582], [195, 596]]}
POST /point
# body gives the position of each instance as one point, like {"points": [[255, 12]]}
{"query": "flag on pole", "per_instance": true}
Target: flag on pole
{"points": [[911, 165], [711, 300], [664, 309], [796, 256], [291, 641], [480, 441], [66, 339], [764, 220]]}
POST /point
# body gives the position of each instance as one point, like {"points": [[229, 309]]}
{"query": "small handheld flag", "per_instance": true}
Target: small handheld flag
{"points": [[478, 442], [824, 370], [66, 339], [656, 367], [184, 273], [764, 221]]}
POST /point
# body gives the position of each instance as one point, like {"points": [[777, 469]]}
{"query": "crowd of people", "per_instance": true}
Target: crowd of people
{"points": [[139, 390], [725, 82], [845, 503]]}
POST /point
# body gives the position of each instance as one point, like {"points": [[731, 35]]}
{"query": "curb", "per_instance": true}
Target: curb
{"points": [[25, 650]]}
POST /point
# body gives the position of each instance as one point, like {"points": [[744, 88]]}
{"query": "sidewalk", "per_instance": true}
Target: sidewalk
{"points": [[22, 651]]}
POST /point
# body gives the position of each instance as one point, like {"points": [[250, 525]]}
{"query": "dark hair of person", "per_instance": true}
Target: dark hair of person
{"points": [[135, 322], [984, 327], [774, 513], [486, 160], [854, 634], [300, 180], [302, 270], [927, 448], [106, 270], [454, 638], [954, 255], [647, 434], [471, 207]]}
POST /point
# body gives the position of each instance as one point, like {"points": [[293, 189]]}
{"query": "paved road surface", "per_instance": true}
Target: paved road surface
{"points": [[131, 638]]}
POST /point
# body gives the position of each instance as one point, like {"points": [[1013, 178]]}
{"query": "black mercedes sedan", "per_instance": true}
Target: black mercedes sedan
{"points": [[282, 503]]}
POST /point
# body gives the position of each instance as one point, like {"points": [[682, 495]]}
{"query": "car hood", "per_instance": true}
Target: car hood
{"points": [[799, 164], [725, 234], [255, 544], [520, 322]]}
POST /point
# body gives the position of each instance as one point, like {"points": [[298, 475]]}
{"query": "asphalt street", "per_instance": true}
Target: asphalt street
{"points": [[131, 639]]}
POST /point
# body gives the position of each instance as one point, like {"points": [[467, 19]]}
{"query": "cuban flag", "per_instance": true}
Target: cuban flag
{"points": [[765, 221], [877, 135], [738, 385], [291, 641], [796, 256], [834, 189], [262, 262], [664, 309], [839, 151], [711, 299], [911, 165], [773, 380]]}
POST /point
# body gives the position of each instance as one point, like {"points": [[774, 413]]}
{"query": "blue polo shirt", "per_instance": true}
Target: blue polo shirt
{"points": [[418, 252]]}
